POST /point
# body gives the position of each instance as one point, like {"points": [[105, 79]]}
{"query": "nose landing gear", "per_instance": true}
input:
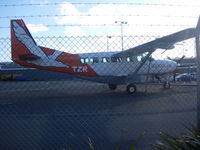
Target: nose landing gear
{"points": [[166, 85], [131, 88]]}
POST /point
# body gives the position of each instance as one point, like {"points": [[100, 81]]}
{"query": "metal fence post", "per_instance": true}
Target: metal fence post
{"points": [[198, 72]]}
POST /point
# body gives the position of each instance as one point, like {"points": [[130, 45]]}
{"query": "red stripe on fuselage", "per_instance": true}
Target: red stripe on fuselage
{"points": [[70, 70], [73, 60]]}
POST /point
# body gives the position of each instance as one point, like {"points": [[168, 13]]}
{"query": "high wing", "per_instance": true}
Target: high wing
{"points": [[166, 42]]}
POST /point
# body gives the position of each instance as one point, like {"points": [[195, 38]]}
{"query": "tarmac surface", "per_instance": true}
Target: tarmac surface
{"points": [[74, 114]]}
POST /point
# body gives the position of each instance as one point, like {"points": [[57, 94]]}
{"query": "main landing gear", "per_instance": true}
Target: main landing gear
{"points": [[131, 88]]}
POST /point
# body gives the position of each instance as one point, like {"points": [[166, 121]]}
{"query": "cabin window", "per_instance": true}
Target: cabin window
{"points": [[139, 58], [94, 60], [84, 60], [129, 59], [116, 59], [105, 59]]}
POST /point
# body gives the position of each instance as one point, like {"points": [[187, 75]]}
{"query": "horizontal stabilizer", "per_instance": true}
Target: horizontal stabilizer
{"points": [[30, 57]]}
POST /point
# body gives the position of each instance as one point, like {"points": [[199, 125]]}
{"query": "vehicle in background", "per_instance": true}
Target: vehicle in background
{"points": [[186, 77]]}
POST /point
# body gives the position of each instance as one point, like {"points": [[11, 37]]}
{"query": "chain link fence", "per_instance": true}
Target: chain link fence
{"points": [[41, 109]]}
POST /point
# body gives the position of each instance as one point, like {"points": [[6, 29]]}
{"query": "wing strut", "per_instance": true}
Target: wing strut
{"points": [[143, 62]]}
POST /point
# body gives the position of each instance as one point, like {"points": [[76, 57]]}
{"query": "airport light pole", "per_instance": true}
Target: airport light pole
{"points": [[108, 37], [121, 24]]}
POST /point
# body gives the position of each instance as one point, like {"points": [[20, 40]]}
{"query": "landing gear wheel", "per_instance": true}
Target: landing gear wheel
{"points": [[112, 86], [166, 85], [131, 89]]}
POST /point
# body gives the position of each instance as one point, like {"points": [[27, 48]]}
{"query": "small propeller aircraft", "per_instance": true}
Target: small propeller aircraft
{"points": [[113, 68]]}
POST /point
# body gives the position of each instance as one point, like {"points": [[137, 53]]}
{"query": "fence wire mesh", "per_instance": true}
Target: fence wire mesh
{"points": [[42, 109]]}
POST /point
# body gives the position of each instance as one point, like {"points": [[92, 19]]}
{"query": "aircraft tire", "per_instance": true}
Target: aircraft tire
{"points": [[166, 85], [112, 86], [131, 89]]}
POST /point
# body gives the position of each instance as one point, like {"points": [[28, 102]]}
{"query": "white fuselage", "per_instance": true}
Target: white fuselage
{"points": [[105, 65]]}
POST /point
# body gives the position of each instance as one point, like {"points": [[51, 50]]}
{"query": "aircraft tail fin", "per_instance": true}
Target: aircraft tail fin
{"points": [[23, 46]]}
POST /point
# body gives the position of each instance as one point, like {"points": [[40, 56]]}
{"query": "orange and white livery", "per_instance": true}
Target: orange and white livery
{"points": [[113, 68]]}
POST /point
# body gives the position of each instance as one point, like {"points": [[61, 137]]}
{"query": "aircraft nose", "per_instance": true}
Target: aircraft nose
{"points": [[165, 66]]}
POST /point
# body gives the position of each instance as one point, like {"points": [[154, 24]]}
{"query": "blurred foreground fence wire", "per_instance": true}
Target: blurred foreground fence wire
{"points": [[52, 110]]}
